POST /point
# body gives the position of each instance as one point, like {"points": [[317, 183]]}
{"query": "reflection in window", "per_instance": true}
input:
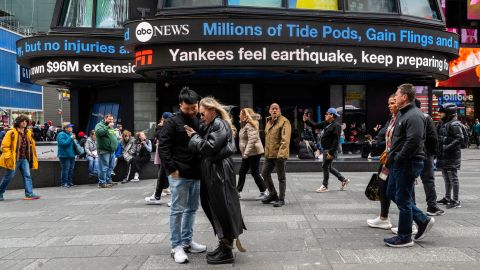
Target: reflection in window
{"points": [[381, 6], [355, 97], [111, 13], [314, 4], [256, 3], [77, 13], [469, 36], [420, 8], [192, 3]]}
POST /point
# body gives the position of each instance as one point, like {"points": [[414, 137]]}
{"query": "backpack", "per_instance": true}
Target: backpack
{"points": [[465, 140], [431, 138]]}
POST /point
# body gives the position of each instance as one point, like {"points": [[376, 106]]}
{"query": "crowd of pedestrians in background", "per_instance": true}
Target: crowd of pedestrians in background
{"points": [[194, 147]]}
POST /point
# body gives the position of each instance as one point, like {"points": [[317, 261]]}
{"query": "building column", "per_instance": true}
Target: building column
{"points": [[246, 96]]}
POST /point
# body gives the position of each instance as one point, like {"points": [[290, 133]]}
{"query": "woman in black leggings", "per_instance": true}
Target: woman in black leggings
{"points": [[383, 221], [252, 150]]}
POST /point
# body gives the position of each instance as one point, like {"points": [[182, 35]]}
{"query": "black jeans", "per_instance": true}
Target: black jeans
{"points": [[268, 166], [327, 169], [428, 180], [162, 181], [252, 163], [451, 182], [136, 166], [384, 199]]}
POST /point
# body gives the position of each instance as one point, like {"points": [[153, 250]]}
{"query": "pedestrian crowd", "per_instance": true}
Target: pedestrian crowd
{"points": [[194, 147]]}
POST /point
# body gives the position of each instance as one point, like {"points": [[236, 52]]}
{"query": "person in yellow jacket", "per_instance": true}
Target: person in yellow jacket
{"points": [[18, 152], [277, 150]]}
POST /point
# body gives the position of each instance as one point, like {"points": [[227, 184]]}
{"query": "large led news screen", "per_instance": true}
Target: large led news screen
{"points": [[473, 9]]}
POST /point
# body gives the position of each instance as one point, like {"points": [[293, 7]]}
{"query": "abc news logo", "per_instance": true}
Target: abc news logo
{"points": [[145, 31]]}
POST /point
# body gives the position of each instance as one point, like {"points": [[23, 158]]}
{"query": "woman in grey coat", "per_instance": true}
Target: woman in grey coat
{"points": [[252, 150], [92, 155]]}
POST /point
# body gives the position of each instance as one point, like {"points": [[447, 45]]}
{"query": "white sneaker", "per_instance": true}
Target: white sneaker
{"points": [[169, 204], [136, 178], [194, 248], [152, 200], [414, 230], [262, 195], [379, 223], [179, 255], [322, 189]]}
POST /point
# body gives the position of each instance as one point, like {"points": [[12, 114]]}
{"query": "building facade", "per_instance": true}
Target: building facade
{"points": [[131, 58]]}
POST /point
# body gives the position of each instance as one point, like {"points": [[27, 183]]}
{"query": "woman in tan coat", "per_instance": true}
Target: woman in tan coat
{"points": [[252, 150]]}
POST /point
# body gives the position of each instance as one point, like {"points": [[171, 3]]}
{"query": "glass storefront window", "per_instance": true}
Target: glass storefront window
{"points": [[192, 3], [422, 96], [256, 3], [464, 100], [420, 8], [77, 13], [380, 6], [111, 13], [355, 97], [314, 4]]}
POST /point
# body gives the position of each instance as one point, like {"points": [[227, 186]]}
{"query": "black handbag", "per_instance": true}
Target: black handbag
{"points": [[373, 189]]}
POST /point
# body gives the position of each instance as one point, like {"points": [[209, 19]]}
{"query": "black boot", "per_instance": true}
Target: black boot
{"points": [[215, 251], [270, 198], [224, 255]]}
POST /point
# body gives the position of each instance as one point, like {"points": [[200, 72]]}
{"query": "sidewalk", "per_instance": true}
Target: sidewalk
{"points": [[89, 228]]}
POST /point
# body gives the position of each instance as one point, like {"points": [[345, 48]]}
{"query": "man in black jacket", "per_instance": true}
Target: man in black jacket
{"points": [[405, 161], [183, 171], [428, 174], [450, 136], [330, 140]]}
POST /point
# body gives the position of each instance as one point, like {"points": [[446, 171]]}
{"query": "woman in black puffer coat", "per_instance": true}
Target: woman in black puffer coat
{"points": [[218, 193]]}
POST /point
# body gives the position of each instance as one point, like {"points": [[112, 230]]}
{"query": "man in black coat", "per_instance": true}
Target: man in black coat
{"points": [[428, 174], [450, 136], [330, 140], [183, 170], [405, 161]]}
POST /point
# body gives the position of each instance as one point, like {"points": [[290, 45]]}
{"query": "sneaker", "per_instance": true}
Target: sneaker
{"points": [[344, 184], [322, 189], [262, 196], [1, 197], [435, 211], [279, 203], [397, 242], [31, 196], [166, 192], [71, 184], [194, 248], [379, 223], [65, 185], [179, 255], [454, 204], [136, 178], [444, 201], [152, 200], [270, 198], [124, 181], [169, 204], [414, 229], [102, 185], [424, 228]]}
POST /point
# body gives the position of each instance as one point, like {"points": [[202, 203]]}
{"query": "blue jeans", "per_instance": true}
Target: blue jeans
{"points": [[105, 168], [24, 167], [400, 189], [185, 201], [92, 166], [66, 165]]}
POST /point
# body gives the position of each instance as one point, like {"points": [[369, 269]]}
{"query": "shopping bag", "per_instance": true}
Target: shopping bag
{"points": [[373, 190]]}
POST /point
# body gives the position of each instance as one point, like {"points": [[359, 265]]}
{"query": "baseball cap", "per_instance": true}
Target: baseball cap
{"points": [[333, 111]]}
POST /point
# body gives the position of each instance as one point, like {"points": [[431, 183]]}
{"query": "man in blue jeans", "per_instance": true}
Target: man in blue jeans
{"points": [[406, 161], [183, 170], [66, 154], [106, 146], [19, 153]]}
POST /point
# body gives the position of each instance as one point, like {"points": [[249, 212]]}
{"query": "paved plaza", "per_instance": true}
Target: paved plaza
{"points": [[89, 228]]}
